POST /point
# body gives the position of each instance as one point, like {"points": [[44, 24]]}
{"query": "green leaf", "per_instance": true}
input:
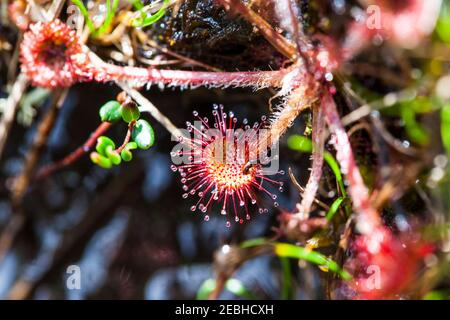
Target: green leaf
{"points": [[110, 11], [300, 143], [292, 251], [113, 155], [443, 24], [286, 292], [445, 127], [104, 143], [254, 242], [146, 19], [143, 134], [334, 208], [131, 145], [126, 155], [332, 163], [437, 295], [414, 130], [130, 112], [110, 111], [85, 13], [100, 160]]}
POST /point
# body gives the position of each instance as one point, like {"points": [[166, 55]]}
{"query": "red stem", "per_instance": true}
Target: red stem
{"points": [[367, 218], [312, 186], [74, 156], [127, 137], [104, 72]]}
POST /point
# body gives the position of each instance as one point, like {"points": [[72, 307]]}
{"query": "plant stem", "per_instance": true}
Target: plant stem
{"points": [[22, 181], [367, 218], [49, 169], [318, 140]]}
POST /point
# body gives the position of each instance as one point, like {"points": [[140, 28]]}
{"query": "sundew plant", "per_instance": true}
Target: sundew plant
{"points": [[215, 146]]}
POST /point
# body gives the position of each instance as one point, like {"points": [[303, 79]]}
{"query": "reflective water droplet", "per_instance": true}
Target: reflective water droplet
{"points": [[247, 217], [185, 195], [223, 212], [228, 224], [253, 201], [242, 203], [200, 194], [183, 180], [193, 208], [206, 218], [174, 168], [236, 218], [281, 189], [204, 209], [276, 204], [274, 196], [195, 113], [260, 210]]}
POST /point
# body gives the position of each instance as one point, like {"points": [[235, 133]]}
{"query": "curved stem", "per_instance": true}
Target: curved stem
{"points": [[49, 169], [367, 218]]}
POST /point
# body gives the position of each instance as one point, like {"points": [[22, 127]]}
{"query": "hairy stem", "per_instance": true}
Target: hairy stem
{"points": [[104, 72], [318, 140], [367, 218]]}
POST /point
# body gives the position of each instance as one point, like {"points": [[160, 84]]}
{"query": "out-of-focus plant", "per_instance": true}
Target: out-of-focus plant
{"points": [[111, 8], [232, 285], [287, 250], [144, 18]]}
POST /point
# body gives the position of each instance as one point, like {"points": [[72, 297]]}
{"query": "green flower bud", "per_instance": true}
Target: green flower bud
{"points": [[130, 112], [143, 134], [110, 111], [100, 160]]}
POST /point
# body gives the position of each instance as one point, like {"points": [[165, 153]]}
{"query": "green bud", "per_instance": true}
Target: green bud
{"points": [[100, 160], [110, 111], [103, 143], [143, 134], [126, 155], [130, 112]]}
